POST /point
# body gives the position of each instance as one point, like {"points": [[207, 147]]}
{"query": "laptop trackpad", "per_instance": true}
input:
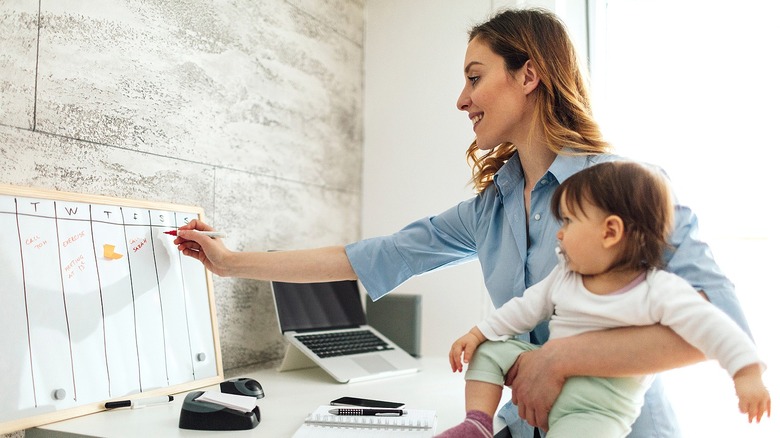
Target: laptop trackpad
{"points": [[374, 363]]}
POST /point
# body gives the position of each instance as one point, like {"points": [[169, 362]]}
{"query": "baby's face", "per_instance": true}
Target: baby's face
{"points": [[581, 238]]}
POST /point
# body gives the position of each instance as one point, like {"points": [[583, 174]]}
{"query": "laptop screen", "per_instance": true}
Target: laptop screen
{"points": [[318, 306]]}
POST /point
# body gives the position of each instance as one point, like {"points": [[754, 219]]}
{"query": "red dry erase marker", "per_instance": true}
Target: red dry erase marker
{"points": [[212, 234]]}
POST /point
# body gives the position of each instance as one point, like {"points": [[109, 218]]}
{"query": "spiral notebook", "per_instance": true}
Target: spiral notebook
{"points": [[418, 423]]}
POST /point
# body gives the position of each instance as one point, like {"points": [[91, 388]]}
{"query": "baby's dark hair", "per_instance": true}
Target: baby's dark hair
{"points": [[637, 194]]}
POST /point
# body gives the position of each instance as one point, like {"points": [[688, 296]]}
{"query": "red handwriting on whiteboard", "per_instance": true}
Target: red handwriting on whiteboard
{"points": [[137, 244], [36, 242], [73, 238], [75, 266]]}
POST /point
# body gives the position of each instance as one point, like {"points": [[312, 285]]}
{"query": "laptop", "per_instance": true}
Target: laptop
{"points": [[326, 322]]}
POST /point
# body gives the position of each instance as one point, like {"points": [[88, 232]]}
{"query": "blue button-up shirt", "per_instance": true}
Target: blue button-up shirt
{"points": [[492, 227]]}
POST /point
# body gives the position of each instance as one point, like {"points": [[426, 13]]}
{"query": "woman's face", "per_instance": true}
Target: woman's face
{"points": [[494, 99]]}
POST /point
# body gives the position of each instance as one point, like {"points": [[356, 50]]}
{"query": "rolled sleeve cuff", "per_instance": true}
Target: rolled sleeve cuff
{"points": [[378, 265]]}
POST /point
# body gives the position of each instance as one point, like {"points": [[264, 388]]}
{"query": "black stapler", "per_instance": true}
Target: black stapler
{"points": [[203, 415]]}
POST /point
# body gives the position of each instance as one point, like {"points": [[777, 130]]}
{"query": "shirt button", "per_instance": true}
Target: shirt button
{"points": [[537, 216], [543, 181]]}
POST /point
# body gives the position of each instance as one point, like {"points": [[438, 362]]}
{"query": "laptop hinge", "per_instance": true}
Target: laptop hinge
{"points": [[294, 359]]}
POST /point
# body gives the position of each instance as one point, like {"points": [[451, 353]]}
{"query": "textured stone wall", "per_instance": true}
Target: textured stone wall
{"points": [[250, 109]]}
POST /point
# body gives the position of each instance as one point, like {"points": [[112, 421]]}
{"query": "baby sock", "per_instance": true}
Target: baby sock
{"points": [[477, 424]]}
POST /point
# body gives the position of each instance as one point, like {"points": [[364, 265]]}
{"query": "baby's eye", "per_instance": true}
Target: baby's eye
{"points": [[473, 79]]}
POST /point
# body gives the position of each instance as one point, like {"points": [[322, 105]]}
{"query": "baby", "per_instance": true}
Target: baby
{"points": [[615, 220]]}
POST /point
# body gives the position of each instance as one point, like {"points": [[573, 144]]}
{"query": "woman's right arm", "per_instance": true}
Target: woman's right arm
{"points": [[308, 265]]}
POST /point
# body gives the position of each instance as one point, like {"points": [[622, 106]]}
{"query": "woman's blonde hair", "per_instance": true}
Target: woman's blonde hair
{"points": [[562, 111]]}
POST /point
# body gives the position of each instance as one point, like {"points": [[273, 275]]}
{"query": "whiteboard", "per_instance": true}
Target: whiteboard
{"points": [[97, 304]]}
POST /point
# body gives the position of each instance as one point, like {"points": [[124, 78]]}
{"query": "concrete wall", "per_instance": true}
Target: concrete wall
{"points": [[250, 109]]}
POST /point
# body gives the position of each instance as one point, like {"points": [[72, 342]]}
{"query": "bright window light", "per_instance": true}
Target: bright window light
{"points": [[694, 86]]}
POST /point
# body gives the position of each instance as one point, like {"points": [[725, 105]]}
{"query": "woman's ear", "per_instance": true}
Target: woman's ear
{"points": [[530, 77], [613, 230]]}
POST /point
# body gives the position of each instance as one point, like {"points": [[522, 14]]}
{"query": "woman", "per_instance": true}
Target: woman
{"points": [[531, 114]]}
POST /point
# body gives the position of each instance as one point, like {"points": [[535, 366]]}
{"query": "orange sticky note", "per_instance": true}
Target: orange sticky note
{"points": [[108, 252]]}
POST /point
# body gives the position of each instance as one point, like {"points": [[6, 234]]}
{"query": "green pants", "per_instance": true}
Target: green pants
{"points": [[587, 407]]}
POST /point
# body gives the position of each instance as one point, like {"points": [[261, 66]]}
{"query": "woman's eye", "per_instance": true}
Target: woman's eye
{"points": [[473, 79]]}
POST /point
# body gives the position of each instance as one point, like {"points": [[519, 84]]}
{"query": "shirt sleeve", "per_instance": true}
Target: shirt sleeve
{"points": [[383, 263], [692, 260], [522, 314], [676, 305]]}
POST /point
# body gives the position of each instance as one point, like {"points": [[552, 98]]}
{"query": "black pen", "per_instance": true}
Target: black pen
{"points": [[139, 403], [368, 412]]}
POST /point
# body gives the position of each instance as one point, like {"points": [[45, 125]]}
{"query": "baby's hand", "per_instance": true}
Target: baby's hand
{"points": [[465, 347], [753, 396]]}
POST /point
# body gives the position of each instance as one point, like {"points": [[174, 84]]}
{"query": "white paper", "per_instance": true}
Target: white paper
{"points": [[416, 423], [243, 403]]}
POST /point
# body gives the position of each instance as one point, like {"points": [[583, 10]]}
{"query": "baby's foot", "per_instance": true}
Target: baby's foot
{"points": [[476, 425]]}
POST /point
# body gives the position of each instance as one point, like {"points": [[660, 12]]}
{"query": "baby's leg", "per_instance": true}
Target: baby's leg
{"points": [[482, 396], [484, 384], [481, 403], [594, 407], [588, 425]]}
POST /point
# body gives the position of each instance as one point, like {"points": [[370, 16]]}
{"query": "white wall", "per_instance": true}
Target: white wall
{"points": [[415, 142], [416, 138]]}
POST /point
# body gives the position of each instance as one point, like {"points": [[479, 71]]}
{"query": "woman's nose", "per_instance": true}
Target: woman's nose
{"points": [[560, 234], [464, 101]]}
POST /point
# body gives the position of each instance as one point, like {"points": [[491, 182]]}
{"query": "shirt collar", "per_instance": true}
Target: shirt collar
{"points": [[511, 173], [565, 166]]}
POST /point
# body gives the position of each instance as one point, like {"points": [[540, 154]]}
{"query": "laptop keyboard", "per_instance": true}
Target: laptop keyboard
{"points": [[343, 343]]}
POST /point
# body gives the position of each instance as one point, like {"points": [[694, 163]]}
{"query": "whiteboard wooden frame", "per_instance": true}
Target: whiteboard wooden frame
{"points": [[92, 407]]}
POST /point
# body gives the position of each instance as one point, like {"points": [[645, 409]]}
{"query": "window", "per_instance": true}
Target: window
{"points": [[692, 85]]}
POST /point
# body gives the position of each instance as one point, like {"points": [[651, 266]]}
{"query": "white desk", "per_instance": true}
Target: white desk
{"points": [[289, 397]]}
